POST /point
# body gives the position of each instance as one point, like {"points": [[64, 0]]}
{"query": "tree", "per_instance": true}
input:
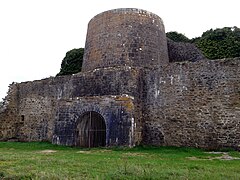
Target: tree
{"points": [[220, 43], [214, 44], [72, 62]]}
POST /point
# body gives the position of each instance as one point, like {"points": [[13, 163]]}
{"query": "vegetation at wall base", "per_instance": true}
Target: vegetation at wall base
{"points": [[46, 161]]}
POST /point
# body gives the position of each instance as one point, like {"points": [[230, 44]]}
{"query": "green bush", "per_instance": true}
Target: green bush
{"points": [[214, 44], [72, 62], [220, 43]]}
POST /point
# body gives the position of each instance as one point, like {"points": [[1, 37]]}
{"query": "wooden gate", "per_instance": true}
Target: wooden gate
{"points": [[91, 130]]}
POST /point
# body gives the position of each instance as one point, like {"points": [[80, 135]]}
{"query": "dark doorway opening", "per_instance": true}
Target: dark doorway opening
{"points": [[91, 130]]}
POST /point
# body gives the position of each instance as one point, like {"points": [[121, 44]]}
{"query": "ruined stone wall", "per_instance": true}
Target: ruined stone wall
{"points": [[128, 80], [117, 111], [34, 105], [180, 51], [193, 104], [119, 37], [99, 82], [9, 122]]}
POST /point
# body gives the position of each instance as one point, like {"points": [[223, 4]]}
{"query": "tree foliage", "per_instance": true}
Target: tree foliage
{"points": [[72, 62], [220, 43], [214, 44]]}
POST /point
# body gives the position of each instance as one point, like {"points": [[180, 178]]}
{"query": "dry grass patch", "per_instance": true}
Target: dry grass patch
{"points": [[48, 151]]}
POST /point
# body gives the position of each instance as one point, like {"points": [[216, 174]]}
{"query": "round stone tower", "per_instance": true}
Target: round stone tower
{"points": [[125, 37]]}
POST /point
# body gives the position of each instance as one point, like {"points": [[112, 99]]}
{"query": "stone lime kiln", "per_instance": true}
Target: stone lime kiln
{"points": [[131, 91]]}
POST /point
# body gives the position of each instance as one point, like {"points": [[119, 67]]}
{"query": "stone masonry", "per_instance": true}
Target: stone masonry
{"points": [[131, 91]]}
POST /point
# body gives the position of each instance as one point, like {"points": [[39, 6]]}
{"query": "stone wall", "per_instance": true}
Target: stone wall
{"points": [[193, 104], [183, 104], [34, 106], [117, 111], [99, 82], [179, 51], [129, 37], [9, 122], [128, 81]]}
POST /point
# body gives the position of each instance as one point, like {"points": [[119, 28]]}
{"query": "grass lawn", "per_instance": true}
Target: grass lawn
{"points": [[47, 161]]}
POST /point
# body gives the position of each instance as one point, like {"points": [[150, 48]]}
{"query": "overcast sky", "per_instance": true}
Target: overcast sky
{"points": [[36, 34]]}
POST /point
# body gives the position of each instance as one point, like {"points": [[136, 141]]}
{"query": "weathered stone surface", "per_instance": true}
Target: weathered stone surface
{"points": [[9, 121], [117, 112], [194, 104], [36, 109], [150, 102], [130, 37], [179, 51]]}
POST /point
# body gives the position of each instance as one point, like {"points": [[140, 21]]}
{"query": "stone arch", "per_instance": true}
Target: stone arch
{"points": [[90, 130]]}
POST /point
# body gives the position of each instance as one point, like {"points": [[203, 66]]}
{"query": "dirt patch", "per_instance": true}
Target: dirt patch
{"points": [[47, 151], [216, 152], [195, 158], [94, 151], [228, 157], [134, 154], [84, 152], [224, 156], [105, 150]]}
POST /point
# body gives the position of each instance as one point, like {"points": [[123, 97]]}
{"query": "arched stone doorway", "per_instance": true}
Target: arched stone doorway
{"points": [[91, 130]]}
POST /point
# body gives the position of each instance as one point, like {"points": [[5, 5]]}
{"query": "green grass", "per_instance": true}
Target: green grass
{"points": [[31, 161]]}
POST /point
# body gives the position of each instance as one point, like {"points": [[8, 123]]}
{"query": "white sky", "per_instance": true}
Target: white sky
{"points": [[36, 34]]}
